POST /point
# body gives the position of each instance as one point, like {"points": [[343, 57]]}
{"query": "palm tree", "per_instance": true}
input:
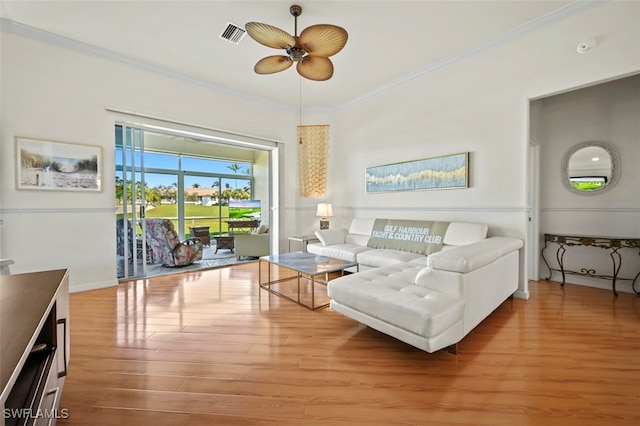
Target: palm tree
{"points": [[235, 167]]}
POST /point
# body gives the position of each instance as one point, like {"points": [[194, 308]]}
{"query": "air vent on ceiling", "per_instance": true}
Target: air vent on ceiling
{"points": [[232, 33]]}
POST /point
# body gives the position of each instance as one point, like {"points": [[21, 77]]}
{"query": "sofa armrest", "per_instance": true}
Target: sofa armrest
{"points": [[470, 257]]}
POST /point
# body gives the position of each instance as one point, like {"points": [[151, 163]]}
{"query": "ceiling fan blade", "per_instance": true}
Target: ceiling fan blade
{"points": [[323, 40], [269, 35], [315, 68], [272, 64]]}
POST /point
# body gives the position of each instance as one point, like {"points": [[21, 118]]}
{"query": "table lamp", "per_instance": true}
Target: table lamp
{"points": [[324, 211]]}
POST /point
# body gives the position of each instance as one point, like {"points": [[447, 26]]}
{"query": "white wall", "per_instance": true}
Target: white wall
{"points": [[607, 112], [479, 104], [55, 94]]}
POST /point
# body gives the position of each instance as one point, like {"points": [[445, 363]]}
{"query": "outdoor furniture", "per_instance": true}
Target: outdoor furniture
{"points": [[242, 226], [166, 247], [224, 242], [252, 245], [201, 232]]}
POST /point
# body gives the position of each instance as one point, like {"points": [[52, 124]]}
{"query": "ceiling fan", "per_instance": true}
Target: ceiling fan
{"points": [[311, 50]]}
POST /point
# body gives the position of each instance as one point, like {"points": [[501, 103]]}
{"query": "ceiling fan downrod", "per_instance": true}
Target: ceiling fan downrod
{"points": [[296, 53]]}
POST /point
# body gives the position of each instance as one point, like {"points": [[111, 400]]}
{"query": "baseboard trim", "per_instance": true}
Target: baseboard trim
{"points": [[92, 286]]}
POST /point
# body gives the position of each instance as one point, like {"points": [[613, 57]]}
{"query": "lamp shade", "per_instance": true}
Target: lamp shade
{"points": [[324, 210]]}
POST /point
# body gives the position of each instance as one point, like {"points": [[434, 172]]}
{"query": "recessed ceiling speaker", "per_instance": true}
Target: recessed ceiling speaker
{"points": [[587, 45]]}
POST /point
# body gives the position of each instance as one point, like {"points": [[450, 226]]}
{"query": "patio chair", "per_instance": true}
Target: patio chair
{"points": [[166, 247], [253, 245]]}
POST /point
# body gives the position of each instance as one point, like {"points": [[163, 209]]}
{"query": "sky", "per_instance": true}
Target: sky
{"points": [[170, 163]]}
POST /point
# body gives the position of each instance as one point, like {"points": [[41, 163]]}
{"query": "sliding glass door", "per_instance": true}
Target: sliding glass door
{"points": [[163, 176], [130, 205]]}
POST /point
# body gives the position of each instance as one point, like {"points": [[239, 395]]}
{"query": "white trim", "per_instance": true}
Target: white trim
{"points": [[533, 224], [198, 131], [510, 209], [48, 210], [591, 209], [522, 295], [574, 8]]}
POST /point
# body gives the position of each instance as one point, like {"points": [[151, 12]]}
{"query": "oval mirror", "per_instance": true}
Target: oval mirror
{"points": [[590, 168]]}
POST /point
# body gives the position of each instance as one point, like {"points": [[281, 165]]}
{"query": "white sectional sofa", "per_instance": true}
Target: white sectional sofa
{"points": [[352, 244], [428, 300]]}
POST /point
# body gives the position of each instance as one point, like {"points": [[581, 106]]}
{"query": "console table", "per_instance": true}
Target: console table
{"points": [[612, 245]]}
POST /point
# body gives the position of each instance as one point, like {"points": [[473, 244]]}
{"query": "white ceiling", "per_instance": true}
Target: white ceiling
{"points": [[389, 41]]}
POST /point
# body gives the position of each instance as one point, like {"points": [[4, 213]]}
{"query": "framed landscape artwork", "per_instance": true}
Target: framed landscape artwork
{"points": [[57, 166], [446, 172]]}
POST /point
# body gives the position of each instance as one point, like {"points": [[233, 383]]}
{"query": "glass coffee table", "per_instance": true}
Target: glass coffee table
{"points": [[307, 267]]}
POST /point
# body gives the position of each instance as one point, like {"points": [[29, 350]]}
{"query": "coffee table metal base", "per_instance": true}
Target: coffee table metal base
{"points": [[306, 267]]}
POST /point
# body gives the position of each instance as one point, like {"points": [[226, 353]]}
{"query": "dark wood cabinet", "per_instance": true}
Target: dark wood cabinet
{"points": [[34, 350]]}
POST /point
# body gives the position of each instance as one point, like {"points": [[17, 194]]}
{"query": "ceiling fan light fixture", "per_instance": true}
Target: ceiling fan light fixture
{"points": [[296, 53], [311, 50]]}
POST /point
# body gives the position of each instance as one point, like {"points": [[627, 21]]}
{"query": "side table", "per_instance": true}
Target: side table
{"points": [[304, 240], [201, 232], [224, 242]]}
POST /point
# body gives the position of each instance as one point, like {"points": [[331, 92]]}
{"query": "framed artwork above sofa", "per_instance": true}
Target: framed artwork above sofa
{"points": [[445, 172]]}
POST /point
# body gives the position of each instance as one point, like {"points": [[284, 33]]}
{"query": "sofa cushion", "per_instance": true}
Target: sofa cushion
{"points": [[330, 237], [262, 229], [360, 231], [381, 257], [348, 252], [358, 239], [462, 233], [361, 226]]}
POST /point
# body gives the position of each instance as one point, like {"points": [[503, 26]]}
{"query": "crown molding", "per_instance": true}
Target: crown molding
{"points": [[572, 9], [33, 33], [575, 8]]}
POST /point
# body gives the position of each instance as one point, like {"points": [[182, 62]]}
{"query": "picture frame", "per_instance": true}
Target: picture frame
{"points": [[45, 165], [444, 172]]}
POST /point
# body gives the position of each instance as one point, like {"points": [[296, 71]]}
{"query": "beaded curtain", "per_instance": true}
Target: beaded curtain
{"points": [[313, 150]]}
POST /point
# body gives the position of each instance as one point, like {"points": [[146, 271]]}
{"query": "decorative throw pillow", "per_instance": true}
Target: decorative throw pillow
{"points": [[329, 237], [262, 229]]}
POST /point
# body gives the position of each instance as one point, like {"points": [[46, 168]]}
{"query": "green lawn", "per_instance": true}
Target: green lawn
{"points": [[195, 215]]}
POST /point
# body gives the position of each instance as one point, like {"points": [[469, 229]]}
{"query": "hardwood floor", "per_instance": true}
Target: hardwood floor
{"points": [[198, 349]]}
